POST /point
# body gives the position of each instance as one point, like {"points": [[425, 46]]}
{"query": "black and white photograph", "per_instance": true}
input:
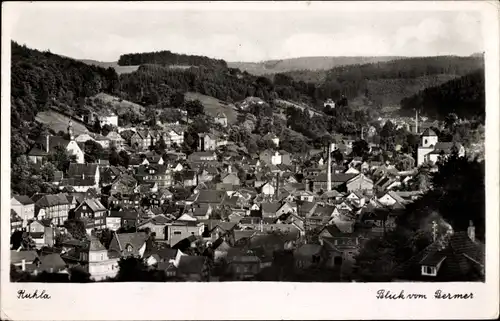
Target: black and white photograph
{"points": [[223, 145]]}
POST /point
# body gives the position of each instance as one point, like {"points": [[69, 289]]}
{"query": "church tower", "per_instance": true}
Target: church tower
{"points": [[70, 130], [428, 141]]}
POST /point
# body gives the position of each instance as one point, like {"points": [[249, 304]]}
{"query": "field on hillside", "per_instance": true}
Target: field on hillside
{"points": [[119, 106], [213, 106], [58, 122], [119, 69]]}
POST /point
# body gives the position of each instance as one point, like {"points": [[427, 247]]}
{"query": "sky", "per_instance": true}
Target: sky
{"points": [[236, 34]]}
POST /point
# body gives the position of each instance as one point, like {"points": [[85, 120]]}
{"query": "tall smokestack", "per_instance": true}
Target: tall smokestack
{"points": [[276, 192], [416, 121], [329, 170]]}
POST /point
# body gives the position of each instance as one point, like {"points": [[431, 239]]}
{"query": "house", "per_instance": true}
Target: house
{"points": [[92, 212], [23, 206], [197, 157], [308, 256], [124, 185], [141, 139], [42, 232], [391, 198], [207, 142], [430, 149], [304, 196], [24, 260], [48, 145], [270, 157], [286, 208], [176, 135], [221, 119], [272, 137], [231, 178], [346, 241], [268, 189], [193, 268], [16, 222], [116, 140], [51, 263], [242, 264], [179, 230], [129, 244], [85, 171], [356, 198], [453, 257], [101, 264], [124, 218], [107, 117], [157, 224], [52, 206], [202, 211], [212, 197], [270, 209], [220, 248], [359, 183], [160, 175]]}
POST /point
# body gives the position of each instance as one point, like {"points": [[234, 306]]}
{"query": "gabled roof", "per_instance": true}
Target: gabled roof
{"points": [[52, 200], [190, 264], [270, 207], [137, 240], [18, 256], [210, 196], [24, 199], [94, 204], [429, 132], [77, 170], [95, 244]]}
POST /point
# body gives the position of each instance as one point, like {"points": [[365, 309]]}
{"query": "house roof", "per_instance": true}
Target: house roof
{"points": [[307, 250], [95, 244], [190, 264], [77, 170], [52, 200], [18, 256], [24, 199], [51, 261], [137, 240], [270, 207], [462, 259], [429, 132], [210, 196], [94, 204]]}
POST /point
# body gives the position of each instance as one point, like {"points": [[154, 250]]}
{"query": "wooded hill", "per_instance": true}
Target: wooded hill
{"points": [[464, 96], [169, 58]]}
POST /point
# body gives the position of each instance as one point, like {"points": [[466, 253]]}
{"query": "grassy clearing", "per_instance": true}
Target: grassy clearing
{"points": [[213, 106], [58, 122]]}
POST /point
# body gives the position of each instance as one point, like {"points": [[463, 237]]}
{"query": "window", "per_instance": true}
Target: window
{"points": [[84, 207], [429, 270], [425, 142], [129, 248], [177, 233]]}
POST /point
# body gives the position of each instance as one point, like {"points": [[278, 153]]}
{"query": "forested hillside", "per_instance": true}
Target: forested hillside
{"points": [[464, 96], [303, 63], [169, 58], [42, 79]]}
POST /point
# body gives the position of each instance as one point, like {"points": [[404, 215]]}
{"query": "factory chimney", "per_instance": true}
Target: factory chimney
{"points": [[329, 170], [416, 121], [276, 191]]}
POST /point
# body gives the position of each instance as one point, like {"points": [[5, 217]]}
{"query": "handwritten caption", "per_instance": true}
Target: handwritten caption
{"points": [[21, 294], [439, 294]]}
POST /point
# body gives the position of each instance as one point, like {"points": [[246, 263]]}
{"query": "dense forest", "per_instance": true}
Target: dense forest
{"points": [[464, 96], [42, 79], [168, 58]]}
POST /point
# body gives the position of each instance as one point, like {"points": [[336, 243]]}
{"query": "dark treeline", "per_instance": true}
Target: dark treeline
{"points": [[168, 58], [463, 96], [42, 79]]}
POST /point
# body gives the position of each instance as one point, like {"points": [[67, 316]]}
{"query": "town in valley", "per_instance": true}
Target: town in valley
{"points": [[172, 167]]}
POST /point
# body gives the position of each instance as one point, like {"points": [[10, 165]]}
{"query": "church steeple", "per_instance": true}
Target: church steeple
{"points": [[70, 130]]}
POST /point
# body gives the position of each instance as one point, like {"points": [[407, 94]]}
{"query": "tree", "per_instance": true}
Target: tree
{"points": [[123, 158], [160, 146], [387, 136], [177, 99], [222, 213], [194, 108], [61, 159], [97, 126], [93, 151], [360, 148], [76, 228]]}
